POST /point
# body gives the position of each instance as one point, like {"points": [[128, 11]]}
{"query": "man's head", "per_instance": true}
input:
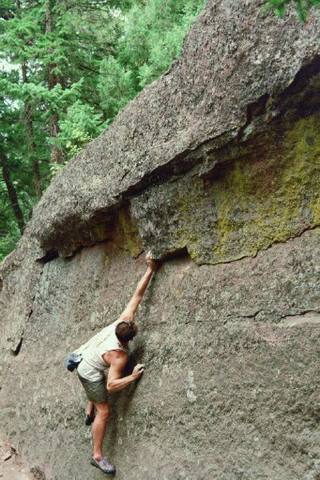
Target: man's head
{"points": [[125, 331]]}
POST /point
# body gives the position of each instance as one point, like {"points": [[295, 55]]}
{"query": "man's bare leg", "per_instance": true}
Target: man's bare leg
{"points": [[99, 428], [90, 408]]}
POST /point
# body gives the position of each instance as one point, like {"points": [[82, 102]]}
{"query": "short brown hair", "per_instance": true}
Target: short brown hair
{"points": [[125, 331]]}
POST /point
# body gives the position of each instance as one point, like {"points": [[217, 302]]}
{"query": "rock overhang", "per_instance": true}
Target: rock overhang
{"points": [[233, 58]]}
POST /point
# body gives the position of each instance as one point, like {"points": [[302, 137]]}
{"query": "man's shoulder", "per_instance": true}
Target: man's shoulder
{"points": [[115, 356]]}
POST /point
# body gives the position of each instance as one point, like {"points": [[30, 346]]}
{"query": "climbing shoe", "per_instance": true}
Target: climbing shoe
{"points": [[103, 465], [89, 419]]}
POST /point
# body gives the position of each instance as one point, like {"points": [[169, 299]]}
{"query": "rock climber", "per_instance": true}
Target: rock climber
{"points": [[109, 349]]}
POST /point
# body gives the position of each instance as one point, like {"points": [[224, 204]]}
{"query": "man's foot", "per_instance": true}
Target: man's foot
{"points": [[103, 465], [89, 419]]}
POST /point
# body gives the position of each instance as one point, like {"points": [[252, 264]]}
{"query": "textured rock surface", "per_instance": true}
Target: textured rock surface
{"points": [[232, 59], [11, 466], [216, 168], [230, 391]]}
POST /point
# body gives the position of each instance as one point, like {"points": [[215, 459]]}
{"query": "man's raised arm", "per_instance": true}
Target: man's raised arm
{"points": [[131, 308]]}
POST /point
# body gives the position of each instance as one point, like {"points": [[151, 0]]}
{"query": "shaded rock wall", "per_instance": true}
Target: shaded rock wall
{"points": [[231, 385], [216, 168]]}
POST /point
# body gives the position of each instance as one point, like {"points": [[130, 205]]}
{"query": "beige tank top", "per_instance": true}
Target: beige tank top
{"points": [[92, 366]]}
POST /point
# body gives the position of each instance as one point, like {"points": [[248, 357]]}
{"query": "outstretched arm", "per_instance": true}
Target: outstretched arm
{"points": [[131, 308]]}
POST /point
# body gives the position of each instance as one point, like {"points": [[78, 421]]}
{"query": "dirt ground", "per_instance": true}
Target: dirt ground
{"points": [[11, 465]]}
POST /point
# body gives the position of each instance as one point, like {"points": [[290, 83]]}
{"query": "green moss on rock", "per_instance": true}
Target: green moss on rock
{"points": [[271, 195], [125, 234], [267, 194]]}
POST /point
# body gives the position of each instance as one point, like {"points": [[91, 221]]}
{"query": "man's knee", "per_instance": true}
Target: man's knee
{"points": [[103, 410]]}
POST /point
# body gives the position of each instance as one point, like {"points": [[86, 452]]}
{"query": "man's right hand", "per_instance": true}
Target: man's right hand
{"points": [[138, 371]]}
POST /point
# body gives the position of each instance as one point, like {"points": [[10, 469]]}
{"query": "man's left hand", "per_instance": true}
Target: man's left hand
{"points": [[153, 264]]}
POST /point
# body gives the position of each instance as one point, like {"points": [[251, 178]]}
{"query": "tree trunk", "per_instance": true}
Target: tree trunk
{"points": [[53, 80], [12, 194], [30, 136]]}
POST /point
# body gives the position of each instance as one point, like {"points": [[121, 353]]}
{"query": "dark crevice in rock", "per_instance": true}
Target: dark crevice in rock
{"points": [[304, 77], [298, 100], [1, 284], [306, 317], [251, 316], [178, 253], [117, 225], [254, 110], [218, 170], [299, 316], [303, 312], [226, 262], [77, 250], [78, 234], [179, 165], [15, 351], [275, 242], [50, 255]]}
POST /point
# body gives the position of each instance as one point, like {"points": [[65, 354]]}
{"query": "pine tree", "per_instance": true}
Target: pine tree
{"points": [[66, 69]]}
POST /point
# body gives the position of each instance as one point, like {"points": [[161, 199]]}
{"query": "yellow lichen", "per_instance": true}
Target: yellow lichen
{"points": [[262, 201], [125, 234], [268, 195]]}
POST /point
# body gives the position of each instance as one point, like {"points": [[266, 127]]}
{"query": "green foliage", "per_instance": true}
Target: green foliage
{"points": [[115, 86], [302, 6], [75, 72], [9, 235], [152, 37], [55, 168], [79, 125]]}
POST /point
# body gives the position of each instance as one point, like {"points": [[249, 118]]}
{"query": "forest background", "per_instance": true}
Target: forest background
{"points": [[67, 67]]}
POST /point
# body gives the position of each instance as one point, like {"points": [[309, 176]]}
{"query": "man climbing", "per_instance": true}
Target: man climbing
{"points": [[109, 349]]}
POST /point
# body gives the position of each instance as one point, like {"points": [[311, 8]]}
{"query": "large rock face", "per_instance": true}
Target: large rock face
{"points": [[216, 168]]}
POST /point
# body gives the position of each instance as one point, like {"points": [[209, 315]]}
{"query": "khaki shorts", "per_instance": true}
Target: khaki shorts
{"points": [[96, 391]]}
